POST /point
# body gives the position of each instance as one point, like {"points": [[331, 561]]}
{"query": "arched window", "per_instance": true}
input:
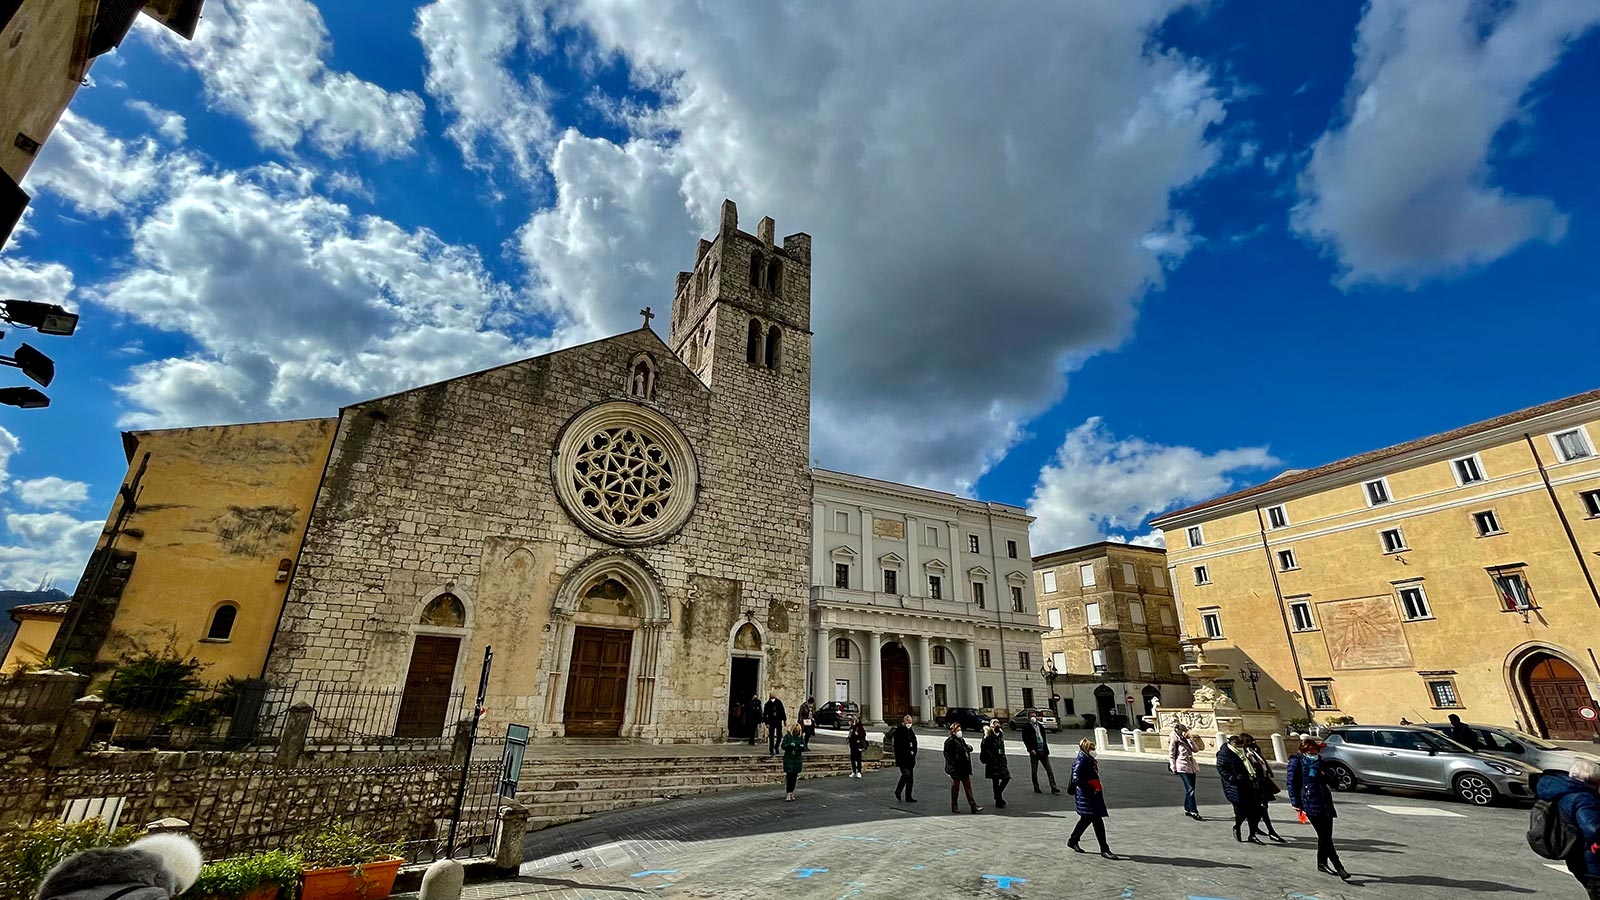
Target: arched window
{"points": [[641, 378], [774, 269], [445, 611], [752, 348], [774, 336], [222, 622]]}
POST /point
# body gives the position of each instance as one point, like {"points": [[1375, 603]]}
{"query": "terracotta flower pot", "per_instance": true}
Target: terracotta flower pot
{"points": [[264, 892], [374, 882]]}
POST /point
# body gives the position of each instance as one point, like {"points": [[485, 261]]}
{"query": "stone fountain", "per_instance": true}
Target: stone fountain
{"points": [[1213, 712]]}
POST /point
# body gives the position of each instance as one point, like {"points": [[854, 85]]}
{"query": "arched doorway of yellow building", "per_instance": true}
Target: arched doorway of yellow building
{"points": [[1551, 690]]}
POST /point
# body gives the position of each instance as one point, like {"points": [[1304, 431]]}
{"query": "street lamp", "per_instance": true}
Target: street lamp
{"points": [[38, 367], [24, 397], [48, 318], [1048, 670], [1251, 674]]}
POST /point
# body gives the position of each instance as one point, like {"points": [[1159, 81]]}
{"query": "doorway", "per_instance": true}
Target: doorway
{"points": [[597, 682], [1557, 692], [896, 682], [1105, 703], [744, 683], [426, 700]]}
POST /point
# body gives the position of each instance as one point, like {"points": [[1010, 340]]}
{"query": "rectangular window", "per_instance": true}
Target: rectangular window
{"points": [[1286, 561], [1514, 593], [1049, 582], [1196, 537], [841, 648], [972, 543], [1225, 685], [1053, 614], [1129, 575], [1175, 662], [1276, 517], [1086, 574], [1443, 694], [841, 521], [1025, 660], [1058, 659], [1393, 540], [1571, 445], [1136, 612], [1091, 614], [1016, 599], [1211, 621], [938, 656], [1322, 696], [930, 536], [941, 695], [935, 587], [983, 659], [1591, 502], [1202, 575], [1486, 522], [1011, 549], [1159, 576], [1300, 613], [1377, 492], [841, 575], [988, 697], [1097, 658], [1468, 469], [977, 594], [1027, 698], [890, 581], [1166, 616], [1414, 603], [1147, 664]]}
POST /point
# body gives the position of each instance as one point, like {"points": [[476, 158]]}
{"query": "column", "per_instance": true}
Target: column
{"points": [[970, 677], [819, 557], [915, 578], [874, 704], [957, 576], [925, 669], [870, 577], [823, 689]]}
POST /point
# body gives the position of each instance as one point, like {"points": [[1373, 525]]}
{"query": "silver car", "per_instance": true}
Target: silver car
{"points": [[1536, 752], [1421, 759]]}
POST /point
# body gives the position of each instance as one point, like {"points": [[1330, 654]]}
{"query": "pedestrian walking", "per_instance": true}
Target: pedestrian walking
{"points": [[1574, 800], [904, 739], [1089, 796], [1266, 788], [992, 753], [1038, 747], [1180, 759], [1309, 793], [794, 746], [774, 716], [1239, 784], [958, 765], [857, 740], [808, 722], [1462, 733], [752, 716]]}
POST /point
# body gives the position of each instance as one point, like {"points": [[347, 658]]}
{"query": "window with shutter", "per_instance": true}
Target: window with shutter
{"points": [[112, 20]]}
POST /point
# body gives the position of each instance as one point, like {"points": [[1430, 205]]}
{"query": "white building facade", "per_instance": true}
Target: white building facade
{"points": [[921, 600]]}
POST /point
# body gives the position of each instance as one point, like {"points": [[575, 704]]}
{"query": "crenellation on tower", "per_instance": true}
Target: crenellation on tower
{"points": [[765, 231]]}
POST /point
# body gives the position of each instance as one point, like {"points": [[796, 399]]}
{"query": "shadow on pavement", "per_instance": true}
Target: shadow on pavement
{"points": [[1186, 862], [1436, 881]]}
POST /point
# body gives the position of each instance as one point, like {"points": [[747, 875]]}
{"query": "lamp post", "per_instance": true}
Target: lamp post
{"points": [[1048, 670], [1253, 675], [45, 318]]}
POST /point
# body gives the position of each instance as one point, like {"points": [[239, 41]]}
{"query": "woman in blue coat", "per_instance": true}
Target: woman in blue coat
{"points": [[1090, 798], [1308, 791]]}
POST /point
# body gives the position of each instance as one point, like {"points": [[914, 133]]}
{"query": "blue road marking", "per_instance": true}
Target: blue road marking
{"points": [[1004, 882], [918, 868], [1127, 892], [852, 837], [807, 873], [654, 872]]}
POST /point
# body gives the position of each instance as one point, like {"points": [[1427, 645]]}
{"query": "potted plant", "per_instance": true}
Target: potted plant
{"points": [[341, 863], [28, 852], [265, 876]]}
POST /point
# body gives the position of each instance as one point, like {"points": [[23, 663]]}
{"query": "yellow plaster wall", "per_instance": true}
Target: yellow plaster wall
{"points": [[35, 58], [31, 644]]}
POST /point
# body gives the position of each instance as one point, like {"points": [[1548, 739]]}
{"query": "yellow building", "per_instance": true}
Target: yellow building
{"points": [[1451, 574], [200, 560], [46, 48], [36, 628]]}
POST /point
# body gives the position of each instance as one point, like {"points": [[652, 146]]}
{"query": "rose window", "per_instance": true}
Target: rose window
{"points": [[625, 473]]}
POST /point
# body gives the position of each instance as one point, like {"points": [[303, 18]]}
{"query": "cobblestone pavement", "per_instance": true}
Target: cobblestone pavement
{"points": [[848, 838]]}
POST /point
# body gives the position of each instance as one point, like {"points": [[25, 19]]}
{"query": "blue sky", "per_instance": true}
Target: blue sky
{"points": [[1100, 260]]}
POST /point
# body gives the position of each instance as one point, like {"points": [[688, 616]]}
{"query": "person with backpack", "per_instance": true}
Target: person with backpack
{"points": [[1565, 823], [1309, 794]]}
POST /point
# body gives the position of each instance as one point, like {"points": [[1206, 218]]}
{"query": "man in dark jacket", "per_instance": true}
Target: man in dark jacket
{"points": [[1462, 733], [1578, 804], [774, 716], [1033, 740], [752, 716], [904, 739]]}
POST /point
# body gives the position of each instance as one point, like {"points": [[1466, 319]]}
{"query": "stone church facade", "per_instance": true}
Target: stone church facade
{"points": [[627, 523]]}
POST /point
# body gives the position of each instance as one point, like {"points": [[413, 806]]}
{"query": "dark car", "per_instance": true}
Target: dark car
{"points": [[837, 714], [970, 718]]}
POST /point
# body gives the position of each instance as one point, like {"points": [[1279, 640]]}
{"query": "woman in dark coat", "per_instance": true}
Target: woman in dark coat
{"points": [[904, 739], [808, 724], [1090, 798], [958, 765], [1239, 784], [857, 739], [1266, 788], [794, 746], [1308, 791], [992, 753]]}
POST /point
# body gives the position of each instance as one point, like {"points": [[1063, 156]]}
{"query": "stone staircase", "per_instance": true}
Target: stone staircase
{"points": [[557, 791]]}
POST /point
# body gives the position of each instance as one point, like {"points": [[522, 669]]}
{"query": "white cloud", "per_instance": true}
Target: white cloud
{"points": [[43, 282], [169, 124], [36, 545], [1402, 188], [1100, 486], [95, 171], [968, 252], [51, 492], [266, 62]]}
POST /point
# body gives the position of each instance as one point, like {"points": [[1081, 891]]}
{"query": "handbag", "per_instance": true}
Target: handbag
{"points": [[1072, 786]]}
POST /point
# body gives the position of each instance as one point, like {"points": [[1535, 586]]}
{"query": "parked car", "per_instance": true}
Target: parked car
{"points": [[970, 717], [837, 714], [1536, 752], [1419, 758], [1046, 719]]}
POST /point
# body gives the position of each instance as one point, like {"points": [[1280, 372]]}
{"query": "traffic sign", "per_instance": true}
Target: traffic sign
{"points": [[1587, 712]]}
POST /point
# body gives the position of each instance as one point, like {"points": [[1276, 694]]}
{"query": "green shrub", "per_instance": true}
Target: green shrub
{"points": [[153, 681], [28, 852], [233, 878], [338, 845]]}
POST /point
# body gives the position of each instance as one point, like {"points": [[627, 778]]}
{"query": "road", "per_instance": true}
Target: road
{"points": [[848, 838]]}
